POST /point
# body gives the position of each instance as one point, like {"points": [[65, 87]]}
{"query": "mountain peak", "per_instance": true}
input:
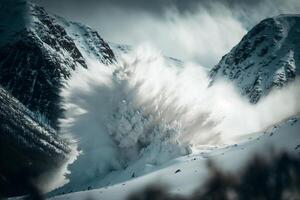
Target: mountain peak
{"points": [[266, 57], [38, 51]]}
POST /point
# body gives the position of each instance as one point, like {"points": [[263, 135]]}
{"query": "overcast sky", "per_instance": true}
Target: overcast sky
{"points": [[192, 30]]}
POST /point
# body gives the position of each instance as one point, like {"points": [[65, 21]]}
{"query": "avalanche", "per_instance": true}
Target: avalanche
{"points": [[132, 118], [137, 116]]}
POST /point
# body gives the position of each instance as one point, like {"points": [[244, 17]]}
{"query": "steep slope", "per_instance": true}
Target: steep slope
{"points": [[37, 53], [267, 57], [28, 146], [183, 175]]}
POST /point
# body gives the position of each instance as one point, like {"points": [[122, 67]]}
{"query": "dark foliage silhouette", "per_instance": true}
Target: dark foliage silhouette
{"points": [[277, 178]]}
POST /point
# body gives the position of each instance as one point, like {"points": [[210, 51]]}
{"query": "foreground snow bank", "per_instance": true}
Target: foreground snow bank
{"points": [[184, 174]]}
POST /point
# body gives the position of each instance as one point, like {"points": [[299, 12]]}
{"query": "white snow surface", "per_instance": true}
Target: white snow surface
{"points": [[193, 168]]}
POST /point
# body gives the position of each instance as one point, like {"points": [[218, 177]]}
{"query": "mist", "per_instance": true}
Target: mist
{"points": [[200, 31], [147, 110]]}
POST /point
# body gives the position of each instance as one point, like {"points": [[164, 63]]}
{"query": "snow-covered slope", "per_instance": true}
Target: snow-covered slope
{"points": [[27, 142], [39, 51], [185, 174], [135, 117], [38, 54], [268, 56]]}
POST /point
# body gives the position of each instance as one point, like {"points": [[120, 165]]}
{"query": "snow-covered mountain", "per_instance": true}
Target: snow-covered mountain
{"points": [[38, 54], [123, 124], [39, 51], [132, 118], [26, 142], [267, 57]]}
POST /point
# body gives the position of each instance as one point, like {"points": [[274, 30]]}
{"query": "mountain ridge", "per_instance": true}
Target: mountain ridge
{"points": [[265, 58], [38, 54], [38, 57]]}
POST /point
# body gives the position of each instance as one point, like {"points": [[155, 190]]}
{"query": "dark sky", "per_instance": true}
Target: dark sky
{"points": [[152, 6], [198, 30]]}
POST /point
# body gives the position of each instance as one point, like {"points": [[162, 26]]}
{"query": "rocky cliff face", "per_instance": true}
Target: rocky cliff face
{"points": [[29, 147], [267, 57], [39, 51]]}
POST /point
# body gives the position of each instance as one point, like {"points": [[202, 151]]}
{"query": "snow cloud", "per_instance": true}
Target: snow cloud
{"points": [[148, 109]]}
